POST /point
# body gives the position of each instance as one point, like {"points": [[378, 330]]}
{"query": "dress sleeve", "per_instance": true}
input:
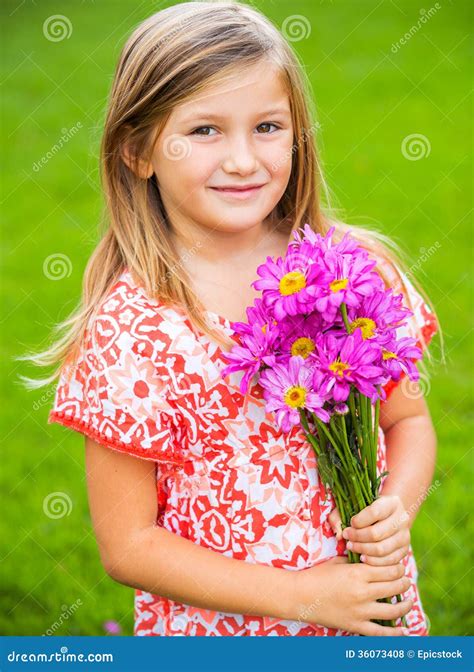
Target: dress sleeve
{"points": [[118, 390], [422, 325]]}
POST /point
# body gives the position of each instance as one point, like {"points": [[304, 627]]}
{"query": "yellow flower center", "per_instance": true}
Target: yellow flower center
{"points": [[366, 325], [265, 327], [295, 396], [387, 354], [337, 285], [292, 282], [302, 347], [338, 367]]}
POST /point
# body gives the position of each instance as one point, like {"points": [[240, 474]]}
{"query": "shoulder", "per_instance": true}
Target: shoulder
{"points": [[131, 335], [128, 318]]}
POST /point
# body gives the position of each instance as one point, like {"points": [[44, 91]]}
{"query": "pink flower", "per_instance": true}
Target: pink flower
{"points": [[297, 335], [112, 627], [397, 357], [288, 388], [257, 350], [350, 279], [378, 313], [346, 362], [256, 314], [289, 285]]}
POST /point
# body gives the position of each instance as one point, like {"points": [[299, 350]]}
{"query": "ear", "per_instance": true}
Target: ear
{"points": [[142, 169]]}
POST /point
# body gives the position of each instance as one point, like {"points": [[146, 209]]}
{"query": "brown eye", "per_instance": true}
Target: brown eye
{"points": [[202, 128], [266, 124]]}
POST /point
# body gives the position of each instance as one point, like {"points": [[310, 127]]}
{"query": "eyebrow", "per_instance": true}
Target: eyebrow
{"points": [[202, 114]]}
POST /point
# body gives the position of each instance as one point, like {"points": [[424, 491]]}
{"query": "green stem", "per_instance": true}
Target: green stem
{"points": [[352, 484], [355, 419], [344, 317], [362, 473]]}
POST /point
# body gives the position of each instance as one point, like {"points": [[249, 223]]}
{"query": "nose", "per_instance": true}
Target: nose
{"points": [[240, 157]]}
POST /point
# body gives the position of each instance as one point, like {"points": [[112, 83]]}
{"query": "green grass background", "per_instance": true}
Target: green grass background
{"points": [[368, 99]]}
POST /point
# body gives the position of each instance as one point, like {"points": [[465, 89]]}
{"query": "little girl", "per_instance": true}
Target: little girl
{"points": [[217, 519]]}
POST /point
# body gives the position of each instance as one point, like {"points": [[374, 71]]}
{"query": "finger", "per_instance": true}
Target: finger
{"points": [[374, 630], [383, 574], [388, 612], [391, 559], [380, 548], [378, 510], [389, 588], [336, 523], [376, 532]]}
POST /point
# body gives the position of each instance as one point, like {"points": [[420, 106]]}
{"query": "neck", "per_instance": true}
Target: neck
{"points": [[213, 246]]}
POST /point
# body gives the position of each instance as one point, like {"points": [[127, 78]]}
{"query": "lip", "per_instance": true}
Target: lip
{"points": [[240, 193]]}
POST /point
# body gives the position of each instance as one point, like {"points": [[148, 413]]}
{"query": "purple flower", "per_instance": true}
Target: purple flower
{"points": [[257, 350], [287, 388], [112, 627], [321, 244], [397, 356], [378, 313], [297, 335], [352, 361], [350, 280], [256, 314], [289, 285]]}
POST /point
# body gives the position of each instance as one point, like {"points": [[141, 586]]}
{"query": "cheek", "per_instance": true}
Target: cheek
{"points": [[279, 160], [196, 168]]}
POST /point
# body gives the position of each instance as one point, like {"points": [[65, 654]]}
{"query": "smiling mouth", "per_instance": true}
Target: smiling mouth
{"points": [[238, 192]]}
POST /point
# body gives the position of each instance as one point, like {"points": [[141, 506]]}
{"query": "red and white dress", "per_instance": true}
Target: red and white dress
{"points": [[146, 384]]}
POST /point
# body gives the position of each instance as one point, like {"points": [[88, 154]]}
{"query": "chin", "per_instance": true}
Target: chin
{"points": [[236, 225], [237, 220]]}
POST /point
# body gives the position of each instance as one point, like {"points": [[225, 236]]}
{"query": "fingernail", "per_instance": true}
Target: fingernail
{"points": [[345, 534], [362, 558], [349, 545]]}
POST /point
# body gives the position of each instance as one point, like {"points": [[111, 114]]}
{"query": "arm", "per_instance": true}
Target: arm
{"points": [[137, 553], [411, 447], [381, 532]]}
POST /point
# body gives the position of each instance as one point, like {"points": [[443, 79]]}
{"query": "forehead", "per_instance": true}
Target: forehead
{"points": [[246, 90]]}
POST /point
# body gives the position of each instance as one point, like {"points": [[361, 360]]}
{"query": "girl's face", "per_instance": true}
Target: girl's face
{"points": [[233, 135]]}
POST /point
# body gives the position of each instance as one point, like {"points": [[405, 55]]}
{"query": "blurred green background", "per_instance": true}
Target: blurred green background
{"points": [[371, 93]]}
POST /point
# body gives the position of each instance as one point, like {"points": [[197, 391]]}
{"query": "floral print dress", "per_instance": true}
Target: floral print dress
{"points": [[147, 384]]}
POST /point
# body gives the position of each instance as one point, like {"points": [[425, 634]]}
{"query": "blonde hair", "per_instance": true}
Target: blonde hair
{"points": [[170, 57]]}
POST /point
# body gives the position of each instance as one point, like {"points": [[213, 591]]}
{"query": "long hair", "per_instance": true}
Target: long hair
{"points": [[170, 57]]}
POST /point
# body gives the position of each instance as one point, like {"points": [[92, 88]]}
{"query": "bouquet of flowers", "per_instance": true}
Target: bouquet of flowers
{"points": [[323, 340]]}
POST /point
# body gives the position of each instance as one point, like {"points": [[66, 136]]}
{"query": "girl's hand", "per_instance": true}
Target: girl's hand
{"points": [[336, 594], [380, 533]]}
